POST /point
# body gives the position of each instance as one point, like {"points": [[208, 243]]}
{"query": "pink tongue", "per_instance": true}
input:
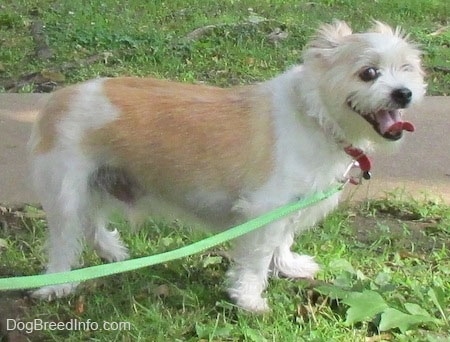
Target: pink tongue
{"points": [[391, 122], [401, 126]]}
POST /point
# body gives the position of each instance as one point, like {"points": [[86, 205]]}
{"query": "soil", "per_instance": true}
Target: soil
{"points": [[400, 232]]}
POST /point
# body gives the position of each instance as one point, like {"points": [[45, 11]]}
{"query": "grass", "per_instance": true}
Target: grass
{"points": [[137, 38], [391, 254]]}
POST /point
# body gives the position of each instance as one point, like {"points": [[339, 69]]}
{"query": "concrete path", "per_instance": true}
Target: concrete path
{"points": [[422, 164], [17, 113]]}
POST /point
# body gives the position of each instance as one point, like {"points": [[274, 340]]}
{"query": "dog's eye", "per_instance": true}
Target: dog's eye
{"points": [[407, 67], [369, 74]]}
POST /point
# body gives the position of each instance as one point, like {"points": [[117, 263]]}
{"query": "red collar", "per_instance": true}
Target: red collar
{"points": [[364, 163]]}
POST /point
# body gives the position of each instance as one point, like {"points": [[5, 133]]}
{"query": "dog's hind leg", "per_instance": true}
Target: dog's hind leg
{"points": [[110, 184], [105, 242], [62, 183]]}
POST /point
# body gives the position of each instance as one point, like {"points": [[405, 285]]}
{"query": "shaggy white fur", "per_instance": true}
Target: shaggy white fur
{"points": [[115, 143]]}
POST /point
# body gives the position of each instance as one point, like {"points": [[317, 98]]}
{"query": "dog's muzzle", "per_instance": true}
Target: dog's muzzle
{"points": [[387, 122]]}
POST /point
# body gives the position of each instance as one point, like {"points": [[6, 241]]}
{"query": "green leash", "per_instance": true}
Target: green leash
{"points": [[79, 275]]}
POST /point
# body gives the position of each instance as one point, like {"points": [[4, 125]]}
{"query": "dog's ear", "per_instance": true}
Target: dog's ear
{"points": [[379, 27], [330, 35]]}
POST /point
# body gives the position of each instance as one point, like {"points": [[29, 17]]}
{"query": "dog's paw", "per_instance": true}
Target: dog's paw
{"points": [[118, 253], [53, 292], [246, 288], [293, 265], [110, 247], [252, 303]]}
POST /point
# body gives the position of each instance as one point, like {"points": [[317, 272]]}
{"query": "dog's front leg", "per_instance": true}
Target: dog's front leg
{"points": [[252, 255], [290, 264]]}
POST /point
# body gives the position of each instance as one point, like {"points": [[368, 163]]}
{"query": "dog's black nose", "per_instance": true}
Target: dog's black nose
{"points": [[402, 96]]}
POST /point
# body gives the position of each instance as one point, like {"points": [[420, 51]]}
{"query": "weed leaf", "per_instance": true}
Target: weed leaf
{"points": [[415, 309], [340, 265], [382, 279], [363, 305], [437, 295], [392, 318]]}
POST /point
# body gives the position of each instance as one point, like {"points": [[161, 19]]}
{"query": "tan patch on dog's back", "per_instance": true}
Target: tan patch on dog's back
{"points": [[179, 137], [51, 114]]}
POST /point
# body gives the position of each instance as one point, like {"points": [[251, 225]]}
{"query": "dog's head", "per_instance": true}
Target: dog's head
{"points": [[366, 79]]}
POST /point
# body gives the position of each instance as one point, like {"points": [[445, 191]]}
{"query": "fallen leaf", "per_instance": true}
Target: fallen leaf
{"points": [[250, 61], [440, 31], [53, 75], [211, 260], [162, 291], [3, 244], [200, 32], [302, 312], [277, 36], [79, 305]]}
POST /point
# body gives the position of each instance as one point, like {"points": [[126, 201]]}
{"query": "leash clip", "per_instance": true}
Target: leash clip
{"points": [[350, 177]]}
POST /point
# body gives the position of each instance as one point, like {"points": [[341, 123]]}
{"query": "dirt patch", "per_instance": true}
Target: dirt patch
{"points": [[404, 225], [400, 233]]}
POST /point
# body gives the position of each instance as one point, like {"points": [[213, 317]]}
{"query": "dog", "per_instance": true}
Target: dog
{"points": [[221, 155]]}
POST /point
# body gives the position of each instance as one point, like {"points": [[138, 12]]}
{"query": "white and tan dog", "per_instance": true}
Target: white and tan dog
{"points": [[221, 155]]}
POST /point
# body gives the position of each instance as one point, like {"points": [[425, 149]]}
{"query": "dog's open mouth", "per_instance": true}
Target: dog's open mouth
{"points": [[386, 122]]}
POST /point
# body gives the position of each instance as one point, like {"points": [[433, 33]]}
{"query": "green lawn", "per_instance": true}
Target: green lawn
{"points": [[385, 264], [149, 38], [385, 273]]}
